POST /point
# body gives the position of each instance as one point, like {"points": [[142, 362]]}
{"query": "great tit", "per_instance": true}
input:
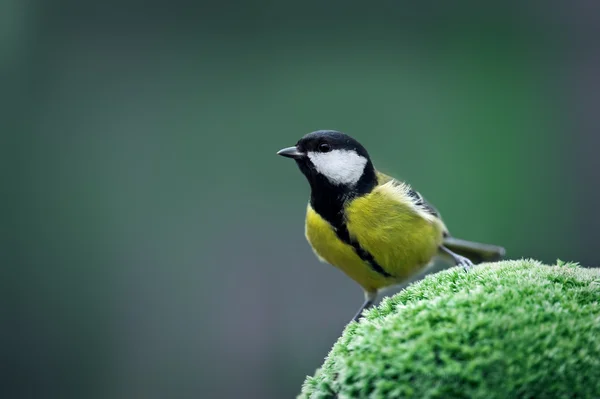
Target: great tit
{"points": [[376, 229]]}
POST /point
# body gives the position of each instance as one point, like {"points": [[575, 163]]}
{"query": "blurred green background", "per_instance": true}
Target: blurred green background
{"points": [[154, 242]]}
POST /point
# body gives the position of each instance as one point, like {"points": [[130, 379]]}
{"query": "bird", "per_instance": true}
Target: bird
{"points": [[376, 229]]}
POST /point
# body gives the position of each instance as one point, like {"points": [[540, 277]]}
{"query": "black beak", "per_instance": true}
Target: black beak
{"points": [[291, 152]]}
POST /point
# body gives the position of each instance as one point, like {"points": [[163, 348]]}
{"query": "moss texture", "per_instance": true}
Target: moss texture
{"points": [[504, 330]]}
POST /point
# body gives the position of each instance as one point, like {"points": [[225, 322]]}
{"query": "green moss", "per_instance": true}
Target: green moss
{"points": [[507, 329]]}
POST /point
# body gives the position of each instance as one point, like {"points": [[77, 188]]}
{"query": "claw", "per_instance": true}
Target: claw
{"points": [[464, 262]]}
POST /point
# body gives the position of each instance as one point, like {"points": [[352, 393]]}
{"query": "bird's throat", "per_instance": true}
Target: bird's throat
{"points": [[329, 200]]}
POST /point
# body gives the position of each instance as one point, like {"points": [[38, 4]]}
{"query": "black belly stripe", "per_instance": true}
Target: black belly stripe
{"points": [[344, 235]]}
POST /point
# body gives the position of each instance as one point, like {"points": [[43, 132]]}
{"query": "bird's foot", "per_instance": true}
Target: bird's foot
{"points": [[464, 262]]}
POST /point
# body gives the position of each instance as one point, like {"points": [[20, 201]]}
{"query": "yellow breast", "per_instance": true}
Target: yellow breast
{"points": [[401, 240], [329, 248]]}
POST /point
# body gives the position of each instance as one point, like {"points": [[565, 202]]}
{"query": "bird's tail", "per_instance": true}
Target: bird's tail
{"points": [[475, 251]]}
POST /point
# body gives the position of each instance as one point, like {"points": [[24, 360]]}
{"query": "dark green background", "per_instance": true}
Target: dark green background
{"points": [[154, 241]]}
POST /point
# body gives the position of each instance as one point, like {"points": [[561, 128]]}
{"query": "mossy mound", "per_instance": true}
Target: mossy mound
{"points": [[504, 330]]}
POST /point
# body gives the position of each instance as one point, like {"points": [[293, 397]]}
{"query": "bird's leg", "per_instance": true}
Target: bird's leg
{"points": [[370, 298], [458, 260]]}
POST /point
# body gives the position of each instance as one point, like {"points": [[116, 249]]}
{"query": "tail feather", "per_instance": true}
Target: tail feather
{"points": [[475, 251]]}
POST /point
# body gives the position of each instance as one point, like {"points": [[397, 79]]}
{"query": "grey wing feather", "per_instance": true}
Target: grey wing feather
{"points": [[475, 251], [420, 200]]}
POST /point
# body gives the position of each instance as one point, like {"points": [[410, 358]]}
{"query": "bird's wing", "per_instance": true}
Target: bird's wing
{"points": [[418, 199]]}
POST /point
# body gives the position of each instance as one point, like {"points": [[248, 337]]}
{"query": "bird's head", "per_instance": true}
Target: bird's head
{"points": [[333, 161]]}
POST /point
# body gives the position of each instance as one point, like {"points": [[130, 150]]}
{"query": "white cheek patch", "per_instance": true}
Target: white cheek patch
{"points": [[339, 166]]}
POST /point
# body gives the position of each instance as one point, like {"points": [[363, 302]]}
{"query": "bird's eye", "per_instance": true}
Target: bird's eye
{"points": [[324, 147]]}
